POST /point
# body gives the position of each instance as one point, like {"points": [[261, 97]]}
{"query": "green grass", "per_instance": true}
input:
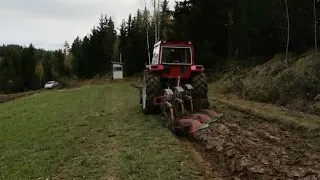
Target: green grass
{"points": [[96, 132], [265, 111]]}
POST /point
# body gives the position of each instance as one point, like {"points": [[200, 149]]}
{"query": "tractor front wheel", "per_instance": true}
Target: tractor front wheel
{"points": [[200, 91], [151, 87]]}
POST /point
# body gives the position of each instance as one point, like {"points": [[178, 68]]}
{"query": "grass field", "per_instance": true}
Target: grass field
{"points": [[95, 132], [99, 132]]}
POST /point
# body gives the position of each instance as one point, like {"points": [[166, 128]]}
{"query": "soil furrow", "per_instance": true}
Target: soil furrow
{"points": [[242, 146]]}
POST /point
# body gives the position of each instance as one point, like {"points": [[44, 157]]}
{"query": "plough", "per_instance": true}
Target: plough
{"points": [[178, 112]]}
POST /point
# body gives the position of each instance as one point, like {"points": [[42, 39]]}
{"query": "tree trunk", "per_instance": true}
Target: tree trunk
{"points": [[159, 20], [147, 25], [229, 45], [148, 46], [155, 21], [288, 32], [229, 25], [315, 26]]}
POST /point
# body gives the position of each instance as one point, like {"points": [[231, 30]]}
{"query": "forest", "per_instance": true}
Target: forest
{"points": [[243, 31]]}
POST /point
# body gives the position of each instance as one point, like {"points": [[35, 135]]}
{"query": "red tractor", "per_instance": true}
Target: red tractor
{"points": [[173, 85]]}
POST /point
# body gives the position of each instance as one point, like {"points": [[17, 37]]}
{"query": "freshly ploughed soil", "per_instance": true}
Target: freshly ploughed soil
{"points": [[241, 146]]}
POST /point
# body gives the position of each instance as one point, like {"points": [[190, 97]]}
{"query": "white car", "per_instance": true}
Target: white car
{"points": [[51, 84]]}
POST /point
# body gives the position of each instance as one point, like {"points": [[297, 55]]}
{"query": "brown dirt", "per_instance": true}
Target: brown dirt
{"points": [[9, 97], [204, 170], [241, 146]]}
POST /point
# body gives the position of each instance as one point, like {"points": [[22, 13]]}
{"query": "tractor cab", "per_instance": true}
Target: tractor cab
{"points": [[173, 53], [174, 59]]}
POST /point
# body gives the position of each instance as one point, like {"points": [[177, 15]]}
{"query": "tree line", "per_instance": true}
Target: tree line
{"points": [[93, 54], [28, 68], [221, 31]]}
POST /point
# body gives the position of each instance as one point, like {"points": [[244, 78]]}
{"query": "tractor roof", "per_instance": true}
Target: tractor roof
{"points": [[174, 43]]}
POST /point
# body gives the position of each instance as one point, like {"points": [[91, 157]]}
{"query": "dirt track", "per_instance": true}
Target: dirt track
{"points": [[240, 146], [9, 97]]}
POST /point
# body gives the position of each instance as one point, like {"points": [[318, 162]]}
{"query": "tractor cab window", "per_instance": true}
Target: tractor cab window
{"points": [[155, 55], [176, 55]]}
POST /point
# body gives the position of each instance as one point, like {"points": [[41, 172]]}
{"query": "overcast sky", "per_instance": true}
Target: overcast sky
{"points": [[48, 23]]}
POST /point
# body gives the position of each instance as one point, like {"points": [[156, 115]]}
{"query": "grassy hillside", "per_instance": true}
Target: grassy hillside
{"points": [[296, 86], [95, 132]]}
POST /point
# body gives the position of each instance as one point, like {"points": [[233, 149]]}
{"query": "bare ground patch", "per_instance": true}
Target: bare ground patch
{"points": [[9, 97], [243, 145]]}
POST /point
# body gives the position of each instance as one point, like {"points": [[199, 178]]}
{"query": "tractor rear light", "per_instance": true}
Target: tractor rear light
{"points": [[189, 42]]}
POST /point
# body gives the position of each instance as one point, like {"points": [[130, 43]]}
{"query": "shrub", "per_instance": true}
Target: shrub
{"points": [[65, 82], [260, 89], [301, 80]]}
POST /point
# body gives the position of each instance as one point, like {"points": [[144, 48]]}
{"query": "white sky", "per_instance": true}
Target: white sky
{"points": [[48, 23]]}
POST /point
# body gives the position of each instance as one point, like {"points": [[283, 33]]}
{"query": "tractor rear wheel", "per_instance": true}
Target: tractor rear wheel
{"points": [[151, 87], [200, 91]]}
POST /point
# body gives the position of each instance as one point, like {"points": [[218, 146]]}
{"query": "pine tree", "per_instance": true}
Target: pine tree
{"points": [[165, 21], [59, 65], [77, 53]]}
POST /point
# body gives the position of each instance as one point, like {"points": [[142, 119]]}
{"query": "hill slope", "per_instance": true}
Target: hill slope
{"points": [[296, 86]]}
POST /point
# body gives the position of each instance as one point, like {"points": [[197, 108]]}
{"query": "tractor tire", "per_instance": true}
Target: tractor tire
{"points": [[200, 91], [151, 87]]}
